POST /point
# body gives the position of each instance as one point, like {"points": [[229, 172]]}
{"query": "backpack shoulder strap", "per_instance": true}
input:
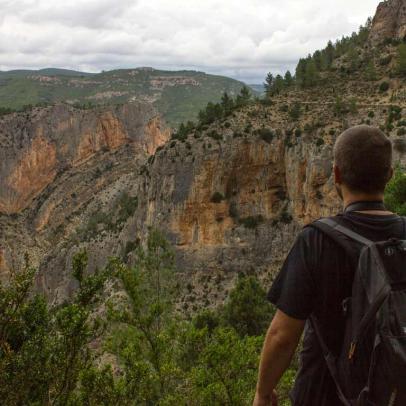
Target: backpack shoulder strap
{"points": [[342, 235], [330, 360]]}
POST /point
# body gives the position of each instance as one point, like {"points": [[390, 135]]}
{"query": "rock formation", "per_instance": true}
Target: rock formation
{"points": [[38, 146], [389, 21]]}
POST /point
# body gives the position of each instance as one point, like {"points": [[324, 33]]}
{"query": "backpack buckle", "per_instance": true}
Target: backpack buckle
{"points": [[352, 351]]}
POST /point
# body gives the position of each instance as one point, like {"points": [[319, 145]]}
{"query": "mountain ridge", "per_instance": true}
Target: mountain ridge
{"points": [[177, 95]]}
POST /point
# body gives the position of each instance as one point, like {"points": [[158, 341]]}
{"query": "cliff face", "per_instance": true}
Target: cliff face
{"points": [[38, 146], [229, 199], [389, 21], [57, 162]]}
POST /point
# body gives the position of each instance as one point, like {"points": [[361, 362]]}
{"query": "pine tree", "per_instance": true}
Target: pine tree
{"points": [[318, 60], [301, 72], [288, 79], [268, 85], [370, 71], [279, 84], [227, 103], [353, 59], [311, 76], [330, 53], [401, 59], [243, 97]]}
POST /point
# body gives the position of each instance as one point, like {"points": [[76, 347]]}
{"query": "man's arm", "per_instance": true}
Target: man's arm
{"points": [[280, 343]]}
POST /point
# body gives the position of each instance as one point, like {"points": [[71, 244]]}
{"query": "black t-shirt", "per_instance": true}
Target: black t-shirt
{"points": [[315, 278]]}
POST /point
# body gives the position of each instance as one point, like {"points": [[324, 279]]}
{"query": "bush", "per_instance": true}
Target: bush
{"points": [[252, 221], [295, 111], [215, 135], [371, 114], [233, 212], [285, 217], [395, 193], [401, 131], [266, 134], [384, 87], [127, 206], [44, 350], [247, 309], [217, 197]]}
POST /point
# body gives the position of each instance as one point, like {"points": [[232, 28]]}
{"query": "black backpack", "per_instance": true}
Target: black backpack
{"points": [[371, 367]]}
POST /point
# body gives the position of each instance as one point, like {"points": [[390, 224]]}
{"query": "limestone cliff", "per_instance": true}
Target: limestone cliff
{"points": [[53, 164], [230, 198], [39, 145], [389, 21]]}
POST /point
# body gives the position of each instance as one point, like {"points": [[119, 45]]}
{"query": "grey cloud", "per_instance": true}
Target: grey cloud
{"points": [[240, 39]]}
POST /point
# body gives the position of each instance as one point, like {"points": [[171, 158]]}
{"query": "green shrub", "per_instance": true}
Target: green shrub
{"points": [[295, 111], [395, 193], [285, 217], [384, 87], [251, 221], [233, 212], [246, 309], [127, 206], [401, 131], [266, 134], [217, 197], [215, 135]]}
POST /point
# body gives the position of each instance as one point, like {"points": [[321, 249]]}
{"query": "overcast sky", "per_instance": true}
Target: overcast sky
{"points": [[241, 39]]}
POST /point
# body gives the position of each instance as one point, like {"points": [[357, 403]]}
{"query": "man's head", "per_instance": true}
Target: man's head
{"points": [[362, 161]]}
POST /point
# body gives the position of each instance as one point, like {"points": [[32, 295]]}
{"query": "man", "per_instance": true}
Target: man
{"points": [[317, 274]]}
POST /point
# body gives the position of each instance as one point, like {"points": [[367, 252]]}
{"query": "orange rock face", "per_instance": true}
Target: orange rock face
{"points": [[35, 169], [248, 176], [108, 134], [60, 137], [155, 135]]}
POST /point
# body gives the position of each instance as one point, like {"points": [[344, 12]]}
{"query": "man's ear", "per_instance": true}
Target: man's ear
{"points": [[392, 171], [337, 174]]}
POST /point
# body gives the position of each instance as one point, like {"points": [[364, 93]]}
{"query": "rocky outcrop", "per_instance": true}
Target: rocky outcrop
{"points": [[389, 21], [39, 145]]}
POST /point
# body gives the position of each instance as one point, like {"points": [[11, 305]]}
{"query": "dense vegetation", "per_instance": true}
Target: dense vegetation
{"points": [[317, 68], [213, 112], [177, 96], [395, 196], [54, 354]]}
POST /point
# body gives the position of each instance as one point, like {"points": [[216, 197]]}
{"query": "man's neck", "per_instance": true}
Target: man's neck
{"points": [[353, 198]]}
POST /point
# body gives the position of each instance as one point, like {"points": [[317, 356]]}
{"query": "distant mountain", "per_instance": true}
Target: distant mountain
{"points": [[177, 95], [258, 88]]}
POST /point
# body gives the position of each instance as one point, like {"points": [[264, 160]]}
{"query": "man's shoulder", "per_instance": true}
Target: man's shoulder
{"points": [[310, 229]]}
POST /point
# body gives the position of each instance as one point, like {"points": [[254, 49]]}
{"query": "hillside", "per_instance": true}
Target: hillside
{"points": [[177, 95]]}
